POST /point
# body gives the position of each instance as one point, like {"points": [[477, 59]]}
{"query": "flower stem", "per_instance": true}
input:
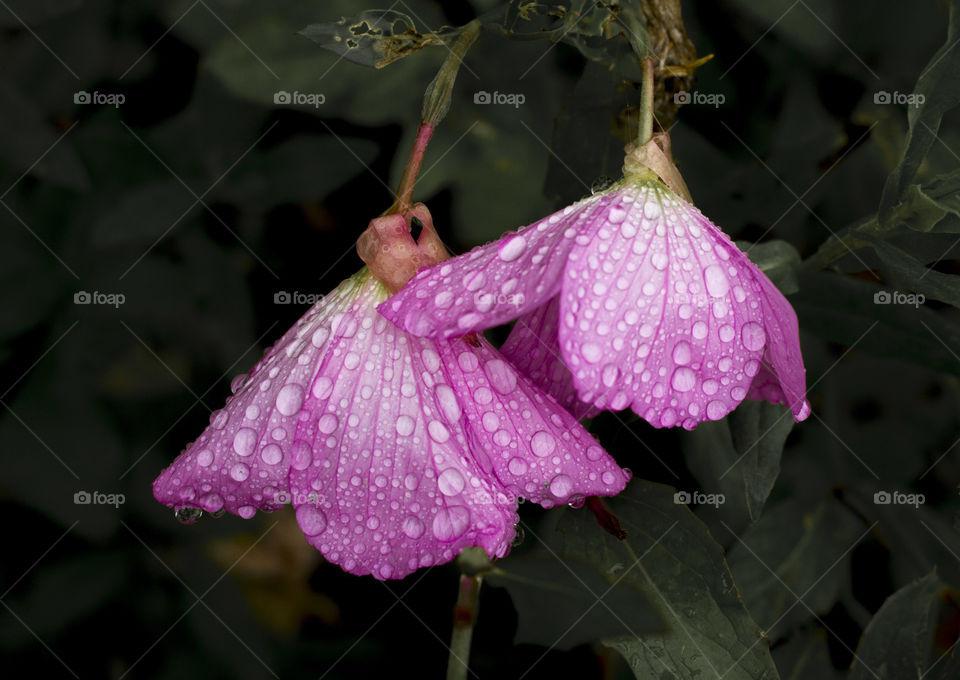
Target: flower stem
{"points": [[646, 104], [464, 617], [404, 198]]}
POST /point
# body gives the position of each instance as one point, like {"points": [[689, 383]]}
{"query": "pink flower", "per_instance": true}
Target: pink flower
{"points": [[397, 452], [627, 298]]}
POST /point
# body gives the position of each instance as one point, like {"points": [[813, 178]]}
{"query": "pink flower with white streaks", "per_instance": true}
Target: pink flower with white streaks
{"points": [[397, 452], [627, 298]]}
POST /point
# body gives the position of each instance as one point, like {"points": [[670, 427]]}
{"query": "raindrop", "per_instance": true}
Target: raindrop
{"points": [[188, 515], [513, 248]]}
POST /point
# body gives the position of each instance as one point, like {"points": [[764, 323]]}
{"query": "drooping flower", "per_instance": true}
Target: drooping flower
{"points": [[396, 451], [627, 298]]}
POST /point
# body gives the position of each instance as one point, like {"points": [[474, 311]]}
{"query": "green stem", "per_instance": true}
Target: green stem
{"points": [[837, 246], [646, 104], [464, 618]]}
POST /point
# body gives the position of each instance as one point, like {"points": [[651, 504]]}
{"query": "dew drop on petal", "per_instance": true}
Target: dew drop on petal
{"points": [[204, 458], [322, 387], [501, 376], [726, 333], [561, 486], [753, 336], [187, 515], [438, 431], [616, 215], [327, 423], [591, 352], [271, 454], [716, 410], [594, 453], [319, 337], [513, 248], [448, 403], [450, 482], [699, 330], [239, 472], [517, 466], [301, 455], [610, 375], [252, 412], [468, 320], [244, 441], [681, 353], [413, 527], [405, 425], [608, 478], [290, 399], [683, 379], [450, 523], [443, 299], [311, 519], [543, 443], [716, 280]]}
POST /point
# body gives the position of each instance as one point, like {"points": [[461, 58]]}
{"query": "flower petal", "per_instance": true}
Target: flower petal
{"points": [[782, 377], [658, 313], [521, 436], [240, 463], [381, 479], [534, 350], [491, 284]]}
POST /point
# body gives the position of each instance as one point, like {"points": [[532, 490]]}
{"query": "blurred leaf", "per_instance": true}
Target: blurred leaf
{"points": [[65, 591], [805, 655], [26, 140], [912, 635], [778, 260], [939, 87], [842, 309], [790, 554], [908, 271], [670, 557], [296, 171], [739, 457], [375, 37], [34, 12], [804, 25], [143, 215]]}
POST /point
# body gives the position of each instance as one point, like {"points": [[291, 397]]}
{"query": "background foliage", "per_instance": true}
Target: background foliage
{"points": [[199, 199]]}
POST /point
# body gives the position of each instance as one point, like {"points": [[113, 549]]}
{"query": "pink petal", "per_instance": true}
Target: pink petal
{"points": [[240, 463], [520, 436], [782, 377], [534, 350], [659, 313], [492, 284]]}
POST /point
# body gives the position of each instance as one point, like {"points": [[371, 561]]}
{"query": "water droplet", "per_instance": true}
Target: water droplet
{"points": [[217, 514], [188, 515], [726, 333], [576, 501], [681, 353], [561, 486], [450, 523], [413, 527], [290, 399], [699, 330], [327, 423], [271, 454], [237, 383], [438, 432], [405, 425], [617, 214], [608, 478], [246, 511], [591, 352], [683, 379], [716, 280], [448, 403], [594, 453], [322, 387], [468, 320], [301, 454], [753, 336], [716, 410], [443, 299], [518, 536], [430, 359], [513, 248], [491, 423], [239, 472], [244, 441], [204, 458], [517, 466], [610, 375], [450, 482], [218, 419], [543, 444], [311, 519], [474, 281], [501, 376], [319, 337]]}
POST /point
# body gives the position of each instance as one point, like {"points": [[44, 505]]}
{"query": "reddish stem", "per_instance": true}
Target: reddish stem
{"points": [[404, 198]]}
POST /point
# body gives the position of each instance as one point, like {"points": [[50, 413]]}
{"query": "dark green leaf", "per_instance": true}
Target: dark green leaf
{"points": [[789, 556], [910, 635], [739, 457], [908, 271], [939, 87], [778, 260], [144, 214]]}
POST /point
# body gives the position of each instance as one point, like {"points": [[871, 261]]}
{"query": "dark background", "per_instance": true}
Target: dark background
{"points": [[199, 200]]}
